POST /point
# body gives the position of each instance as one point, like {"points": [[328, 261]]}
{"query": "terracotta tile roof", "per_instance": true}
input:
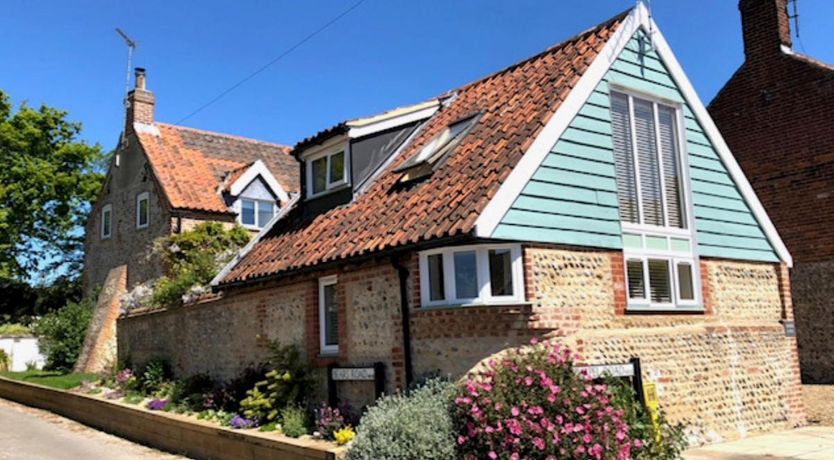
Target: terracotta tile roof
{"points": [[515, 104], [192, 164]]}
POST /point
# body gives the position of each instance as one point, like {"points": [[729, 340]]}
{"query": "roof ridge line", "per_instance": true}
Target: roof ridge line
{"points": [[226, 135]]}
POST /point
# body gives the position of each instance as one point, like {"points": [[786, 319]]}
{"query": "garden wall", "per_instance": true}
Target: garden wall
{"points": [[174, 433], [814, 328]]}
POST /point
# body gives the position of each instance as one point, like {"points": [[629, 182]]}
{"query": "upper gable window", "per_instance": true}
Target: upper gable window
{"points": [[326, 172], [106, 221], [256, 213], [142, 210], [660, 260], [421, 163]]}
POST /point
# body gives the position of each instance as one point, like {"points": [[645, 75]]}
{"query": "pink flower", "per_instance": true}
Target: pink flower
{"points": [[514, 411], [492, 455], [538, 443], [461, 440], [638, 443]]}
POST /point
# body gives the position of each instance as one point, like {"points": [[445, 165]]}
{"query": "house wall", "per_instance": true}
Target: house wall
{"points": [[727, 372], [128, 245], [572, 197]]}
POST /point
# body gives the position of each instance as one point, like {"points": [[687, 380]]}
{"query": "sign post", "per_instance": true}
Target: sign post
{"points": [[375, 373]]}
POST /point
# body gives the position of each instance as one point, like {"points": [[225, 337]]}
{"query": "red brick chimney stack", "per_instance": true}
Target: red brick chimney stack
{"points": [[140, 103], [765, 27]]}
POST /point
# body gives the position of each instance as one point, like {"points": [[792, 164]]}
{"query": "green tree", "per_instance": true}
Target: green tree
{"points": [[48, 179]]}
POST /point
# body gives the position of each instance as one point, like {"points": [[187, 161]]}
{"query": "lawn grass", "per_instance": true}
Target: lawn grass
{"points": [[50, 378]]}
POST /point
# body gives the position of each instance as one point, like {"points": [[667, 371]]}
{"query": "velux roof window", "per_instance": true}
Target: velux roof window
{"points": [[423, 162]]}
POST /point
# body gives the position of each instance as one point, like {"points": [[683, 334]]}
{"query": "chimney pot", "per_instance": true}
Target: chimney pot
{"points": [[140, 78]]}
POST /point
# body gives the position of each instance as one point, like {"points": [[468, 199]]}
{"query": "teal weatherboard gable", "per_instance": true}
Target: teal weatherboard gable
{"points": [[572, 197]]}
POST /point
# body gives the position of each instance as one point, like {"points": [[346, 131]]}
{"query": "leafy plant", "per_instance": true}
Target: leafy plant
{"points": [[288, 383], [412, 426], [294, 421], [14, 329], [61, 334], [5, 361], [133, 398], [155, 373], [531, 404], [329, 420], [664, 441], [227, 396]]}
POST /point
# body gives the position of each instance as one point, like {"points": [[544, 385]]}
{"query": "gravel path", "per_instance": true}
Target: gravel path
{"points": [[33, 434], [819, 404]]}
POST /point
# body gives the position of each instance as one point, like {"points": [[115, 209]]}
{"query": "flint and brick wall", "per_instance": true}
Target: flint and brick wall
{"points": [[727, 371]]}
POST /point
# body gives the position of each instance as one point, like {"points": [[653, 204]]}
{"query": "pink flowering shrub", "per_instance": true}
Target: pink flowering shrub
{"points": [[530, 404]]}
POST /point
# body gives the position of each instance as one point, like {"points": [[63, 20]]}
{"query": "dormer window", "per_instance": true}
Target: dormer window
{"points": [[422, 163], [326, 172], [661, 267]]}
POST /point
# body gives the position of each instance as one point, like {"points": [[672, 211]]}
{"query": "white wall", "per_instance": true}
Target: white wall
{"points": [[22, 350]]}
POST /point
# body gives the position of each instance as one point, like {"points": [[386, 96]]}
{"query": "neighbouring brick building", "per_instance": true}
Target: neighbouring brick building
{"points": [[777, 115], [164, 179], [582, 194]]}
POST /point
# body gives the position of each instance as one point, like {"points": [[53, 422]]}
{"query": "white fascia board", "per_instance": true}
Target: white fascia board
{"points": [[372, 128], [534, 156], [685, 86], [639, 17], [251, 244], [330, 145], [258, 168]]}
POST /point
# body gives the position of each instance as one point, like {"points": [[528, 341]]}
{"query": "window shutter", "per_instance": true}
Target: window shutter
{"points": [[624, 158], [671, 168], [636, 283], [644, 134], [659, 283]]}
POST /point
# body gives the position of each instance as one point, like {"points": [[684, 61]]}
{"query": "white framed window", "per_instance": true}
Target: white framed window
{"points": [[142, 210], [482, 274], [661, 265], [328, 316], [327, 171], [106, 221], [255, 214]]}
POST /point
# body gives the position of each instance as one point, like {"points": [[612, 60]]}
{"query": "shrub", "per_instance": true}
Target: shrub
{"points": [[194, 393], [61, 334], [14, 329], [289, 382], [155, 373], [665, 441], [531, 404], [329, 420], [294, 421], [5, 361], [227, 397], [413, 426]]}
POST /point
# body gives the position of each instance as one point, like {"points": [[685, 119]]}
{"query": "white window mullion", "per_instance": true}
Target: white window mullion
{"points": [[634, 152], [660, 170], [449, 276], [482, 263]]}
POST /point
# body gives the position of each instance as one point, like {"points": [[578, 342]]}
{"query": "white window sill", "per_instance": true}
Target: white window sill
{"points": [[650, 309], [329, 354], [515, 303]]}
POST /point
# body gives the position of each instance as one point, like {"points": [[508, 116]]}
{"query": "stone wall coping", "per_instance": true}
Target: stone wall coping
{"points": [[175, 433], [145, 311]]}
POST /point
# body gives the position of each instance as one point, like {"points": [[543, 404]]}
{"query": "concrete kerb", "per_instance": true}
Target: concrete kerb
{"points": [[170, 432]]}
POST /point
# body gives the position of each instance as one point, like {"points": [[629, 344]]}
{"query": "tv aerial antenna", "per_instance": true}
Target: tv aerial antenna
{"points": [[131, 45], [794, 16]]}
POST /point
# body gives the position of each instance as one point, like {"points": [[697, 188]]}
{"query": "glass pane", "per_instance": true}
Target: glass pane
{"points": [[143, 212], [650, 191], [337, 167], [671, 176], [624, 158], [500, 272], [659, 285], [105, 223], [636, 283], [331, 316], [687, 290], [247, 212], [466, 275], [264, 212], [437, 288], [319, 175]]}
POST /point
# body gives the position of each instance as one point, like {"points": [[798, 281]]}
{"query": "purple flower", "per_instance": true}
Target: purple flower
{"points": [[123, 376], [158, 404], [239, 422]]}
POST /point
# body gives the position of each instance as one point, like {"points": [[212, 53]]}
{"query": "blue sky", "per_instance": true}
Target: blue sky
{"points": [[383, 54]]}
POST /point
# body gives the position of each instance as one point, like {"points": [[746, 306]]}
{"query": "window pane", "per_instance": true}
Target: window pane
{"points": [[500, 272], [466, 275], [331, 316], [264, 212], [247, 212], [644, 134], [624, 158], [636, 283], [671, 168], [437, 288], [337, 167], [687, 290], [105, 223], [143, 212], [319, 175], [659, 285]]}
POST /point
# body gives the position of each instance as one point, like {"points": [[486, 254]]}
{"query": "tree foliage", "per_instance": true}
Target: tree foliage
{"points": [[47, 181], [61, 334]]}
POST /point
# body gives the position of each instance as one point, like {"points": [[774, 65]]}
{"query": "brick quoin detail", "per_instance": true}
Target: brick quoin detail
{"points": [[706, 296], [619, 282]]}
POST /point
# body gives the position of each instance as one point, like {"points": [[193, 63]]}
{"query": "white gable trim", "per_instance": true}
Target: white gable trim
{"points": [[251, 244], [382, 125], [550, 134], [258, 168]]}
